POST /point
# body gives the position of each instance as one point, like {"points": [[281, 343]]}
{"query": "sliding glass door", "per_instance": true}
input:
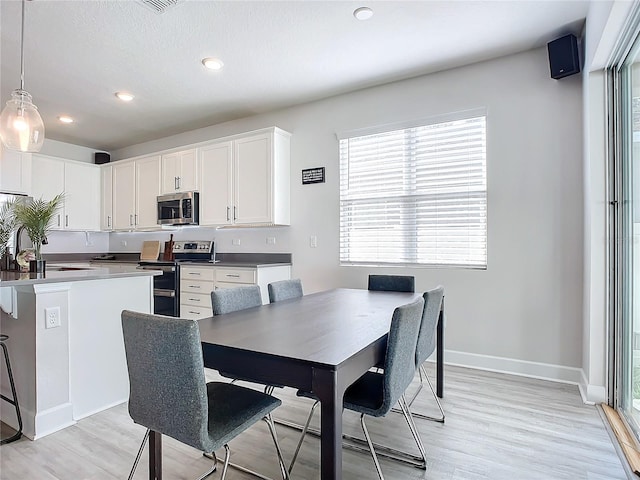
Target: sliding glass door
{"points": [[627, 238]]}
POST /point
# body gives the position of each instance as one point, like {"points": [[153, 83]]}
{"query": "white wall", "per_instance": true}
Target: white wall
{"points": [[527, 305], [69, 151]]}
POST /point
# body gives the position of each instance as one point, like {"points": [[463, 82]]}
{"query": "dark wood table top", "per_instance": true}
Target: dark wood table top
{"points": [[324, 329]]}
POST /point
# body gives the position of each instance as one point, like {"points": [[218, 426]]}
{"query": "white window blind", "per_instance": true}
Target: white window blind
{"points": [[415, 196]]}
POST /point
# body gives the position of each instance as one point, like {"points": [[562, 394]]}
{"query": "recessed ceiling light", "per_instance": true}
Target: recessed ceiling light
{"points": [[124, 96], [65, 119], [212, 63], [363, 13]]}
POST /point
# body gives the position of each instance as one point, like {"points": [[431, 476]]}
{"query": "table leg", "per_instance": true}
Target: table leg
{"points": [[155, 455], [325, 386], [440, 352]]}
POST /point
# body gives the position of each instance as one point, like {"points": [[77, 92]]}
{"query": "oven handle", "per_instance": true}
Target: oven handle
{"points": [[157, 267], [159, 292]]}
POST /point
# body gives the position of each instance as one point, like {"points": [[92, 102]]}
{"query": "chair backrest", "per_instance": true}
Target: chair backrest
{"points": [[399, 363], [427, 336], [227, 300], [284, 290], [167, 387], [392, 283]]}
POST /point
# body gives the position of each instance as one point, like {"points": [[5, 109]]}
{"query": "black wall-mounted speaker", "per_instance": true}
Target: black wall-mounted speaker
{"points": [[564, 58], [101, 157]]}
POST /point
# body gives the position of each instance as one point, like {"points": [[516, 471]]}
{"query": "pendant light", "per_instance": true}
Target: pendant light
{"points": [[21, 126]]}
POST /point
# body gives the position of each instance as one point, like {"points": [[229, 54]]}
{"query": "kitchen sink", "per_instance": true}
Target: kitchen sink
{"points": [[67, 269]]}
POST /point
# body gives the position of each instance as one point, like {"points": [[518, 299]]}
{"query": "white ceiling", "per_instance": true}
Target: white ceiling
{"points": [[276, 54]]}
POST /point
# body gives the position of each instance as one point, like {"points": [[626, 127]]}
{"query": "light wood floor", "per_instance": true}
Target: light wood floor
{"points": [[497, 427]]}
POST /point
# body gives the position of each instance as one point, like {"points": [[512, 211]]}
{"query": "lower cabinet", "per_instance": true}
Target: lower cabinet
{"points": [[198, 281]]}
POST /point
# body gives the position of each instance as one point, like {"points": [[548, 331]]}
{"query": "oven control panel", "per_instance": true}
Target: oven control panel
{"points": [[199, 246]]}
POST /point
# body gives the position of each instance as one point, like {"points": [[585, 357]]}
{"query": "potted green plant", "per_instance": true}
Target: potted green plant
{"points": [[8, 224], [37, 219]]}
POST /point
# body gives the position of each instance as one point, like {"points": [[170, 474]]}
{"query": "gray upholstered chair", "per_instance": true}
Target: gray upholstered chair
{"points": [[374, 393], [427, 344], [392, 283], [285, 290], [169, 394], [227, 300]]}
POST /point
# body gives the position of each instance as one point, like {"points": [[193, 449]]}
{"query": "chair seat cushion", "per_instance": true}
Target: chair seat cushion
{"points": [[232, 409], [365, 395]]}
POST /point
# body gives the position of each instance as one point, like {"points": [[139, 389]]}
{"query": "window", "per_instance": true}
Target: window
{"points": [[415, 195]]}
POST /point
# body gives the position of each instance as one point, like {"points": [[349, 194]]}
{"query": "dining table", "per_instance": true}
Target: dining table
{"points": [[319, 343]]}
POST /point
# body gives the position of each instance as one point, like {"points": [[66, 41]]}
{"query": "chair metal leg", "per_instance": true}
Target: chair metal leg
{"points": [[272, 428], [304, 433], [14, 394], [135, 463], [412, 427], [423, 375], [371, 449], [225, 466], [285, 474]]}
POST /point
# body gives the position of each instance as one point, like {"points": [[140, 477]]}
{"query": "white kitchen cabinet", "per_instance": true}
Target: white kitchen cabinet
{"points": [[124, 200], [180, 171], [246, 180], [216, 200], [15, 171], [136, 184], [198, 281], [147, 191], [80, 183], [106, 206]]}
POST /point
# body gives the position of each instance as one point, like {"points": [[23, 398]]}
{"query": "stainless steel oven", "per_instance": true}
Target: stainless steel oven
{"points": [[166, 287], [179, 208]]}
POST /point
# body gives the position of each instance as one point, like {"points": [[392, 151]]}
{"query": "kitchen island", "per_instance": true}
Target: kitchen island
{"points": [[65, 341]]}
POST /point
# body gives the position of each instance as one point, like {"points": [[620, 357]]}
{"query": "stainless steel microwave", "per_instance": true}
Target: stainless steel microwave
{"points": [[178, 208]]}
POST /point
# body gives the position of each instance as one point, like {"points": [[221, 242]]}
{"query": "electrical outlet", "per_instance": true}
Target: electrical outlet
{"points": [[236, 242], [52, 317], [313, 241], [123, 243], [271, 240]]}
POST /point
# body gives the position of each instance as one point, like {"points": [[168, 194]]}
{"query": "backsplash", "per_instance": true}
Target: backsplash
{"points": [[236, 240]]}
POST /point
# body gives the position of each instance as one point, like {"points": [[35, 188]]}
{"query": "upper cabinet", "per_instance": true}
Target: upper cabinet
{"points": [[15, 171], [137, 183], [106, 207], [80, 183], [179, 171], [246, 180]]}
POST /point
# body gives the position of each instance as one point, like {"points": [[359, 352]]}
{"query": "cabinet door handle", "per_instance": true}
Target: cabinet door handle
{"points": [[233, 275], [58, 219], [194, 286], [66, 220], [228, 214], [136, 218], [195, 299], [234, 214], [193, 273], [179, 182], [131, 219], [194, 313], [175, 183], [108, 221]]}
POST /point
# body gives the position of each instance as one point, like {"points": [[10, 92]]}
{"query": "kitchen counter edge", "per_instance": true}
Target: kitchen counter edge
{"points": [[53, 275]]}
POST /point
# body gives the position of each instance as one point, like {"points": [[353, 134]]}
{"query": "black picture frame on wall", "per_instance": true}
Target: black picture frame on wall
{"points": [[312, 175]]}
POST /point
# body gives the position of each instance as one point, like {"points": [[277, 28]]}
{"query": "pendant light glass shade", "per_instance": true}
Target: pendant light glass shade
{"points": [[21, 126]]}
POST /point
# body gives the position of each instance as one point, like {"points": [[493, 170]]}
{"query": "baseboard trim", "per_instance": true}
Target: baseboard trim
{"points": [[543, 371]]}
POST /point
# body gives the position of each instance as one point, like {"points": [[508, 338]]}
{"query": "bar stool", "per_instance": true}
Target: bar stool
{"points": [[13, 401]]}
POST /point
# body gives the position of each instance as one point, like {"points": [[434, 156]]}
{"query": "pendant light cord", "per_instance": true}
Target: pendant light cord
{"points": [[22, 49]]}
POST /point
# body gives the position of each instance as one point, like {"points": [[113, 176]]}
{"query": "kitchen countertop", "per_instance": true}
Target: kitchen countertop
{"points": [[237, 264], [66, 273]]}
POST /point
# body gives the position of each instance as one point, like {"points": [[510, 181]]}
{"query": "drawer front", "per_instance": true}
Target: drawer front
{"points": [[235, 275], [187, 273], [195, 299], [194, 313], [195, 286]]}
